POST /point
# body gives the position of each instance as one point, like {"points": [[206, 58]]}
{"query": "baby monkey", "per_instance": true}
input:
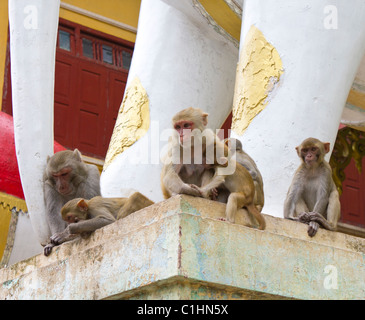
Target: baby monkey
{"points": [[85, 216]]}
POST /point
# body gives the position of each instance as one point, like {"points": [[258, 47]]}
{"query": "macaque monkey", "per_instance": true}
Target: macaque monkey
{"points": [[313, 197], [245, 160], [66, 177], [184, 175], [241, 188], [204, 177], [85, 216]]}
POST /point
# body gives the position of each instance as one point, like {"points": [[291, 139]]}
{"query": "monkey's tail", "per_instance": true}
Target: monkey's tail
{"points": [[259, 217]]}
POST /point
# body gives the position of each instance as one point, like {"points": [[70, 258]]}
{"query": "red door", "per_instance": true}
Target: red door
{"points": [[65, 95], [91, 75], [353, 196], [90, 78]]}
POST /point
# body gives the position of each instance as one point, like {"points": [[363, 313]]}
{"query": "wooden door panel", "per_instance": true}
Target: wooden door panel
{"points": [[89, 131], [92, 87], [117, 83], [117, 87], [91, 104], [64, 96], [62, 124], [353, 196], [64, 71]]}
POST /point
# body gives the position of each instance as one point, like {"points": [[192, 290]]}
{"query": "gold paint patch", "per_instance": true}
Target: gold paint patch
{"points": [[258, 73], [224, 16], [132, 123], [8, 223], [356, 98]]}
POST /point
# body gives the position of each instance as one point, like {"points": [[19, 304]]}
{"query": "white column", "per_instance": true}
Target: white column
{"points": [[318, 46], [33, 34], [179, 61]]}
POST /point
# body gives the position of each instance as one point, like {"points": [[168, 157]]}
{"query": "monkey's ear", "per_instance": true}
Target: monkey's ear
{"points": [[48, 158], [82, 205], [298, 150], [77, 155], [205, 118], [326, 147]]}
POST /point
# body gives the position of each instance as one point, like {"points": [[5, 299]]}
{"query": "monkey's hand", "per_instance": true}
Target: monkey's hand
{"points": [[305, 217], [192, 190], [317, 217], [62, 237]]}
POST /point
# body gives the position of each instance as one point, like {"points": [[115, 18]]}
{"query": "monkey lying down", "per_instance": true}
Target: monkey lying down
{"points": [[85, 216]]}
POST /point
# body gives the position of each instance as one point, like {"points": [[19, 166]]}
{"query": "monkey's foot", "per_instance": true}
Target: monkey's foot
{"points": [[214, 194], [313, 228], [48, 249]]}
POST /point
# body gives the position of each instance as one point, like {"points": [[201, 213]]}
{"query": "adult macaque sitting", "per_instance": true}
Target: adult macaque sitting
{"points": [[312, 197], [66, 177], [85, 216]]}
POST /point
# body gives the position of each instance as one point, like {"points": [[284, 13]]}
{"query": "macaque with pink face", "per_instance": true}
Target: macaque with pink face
{"points": [[313, 197]]}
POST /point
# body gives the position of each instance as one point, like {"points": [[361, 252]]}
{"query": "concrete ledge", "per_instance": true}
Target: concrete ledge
{"points": [[179, 249]]}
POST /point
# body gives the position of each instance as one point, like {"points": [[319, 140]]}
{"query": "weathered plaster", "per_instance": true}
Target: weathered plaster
{"points": [[133, 120], [179, 249], [258, 73], [181, 61]]}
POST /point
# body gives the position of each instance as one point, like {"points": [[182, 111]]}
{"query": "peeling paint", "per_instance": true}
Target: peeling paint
{"points": [[132, 123], [258, 74]]}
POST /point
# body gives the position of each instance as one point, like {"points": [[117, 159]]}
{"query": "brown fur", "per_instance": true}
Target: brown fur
{"points": [[85, 216], [312, 197]]}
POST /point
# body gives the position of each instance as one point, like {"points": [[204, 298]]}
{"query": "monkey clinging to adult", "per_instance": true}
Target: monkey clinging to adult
{"points": [[66, 177], [241, 190], [85, 216], [312, 197], [245, 160]]}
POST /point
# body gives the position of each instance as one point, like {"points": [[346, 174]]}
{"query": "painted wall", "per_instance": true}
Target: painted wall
{"points": [[119, 11], [3, 41], [125, 11]]}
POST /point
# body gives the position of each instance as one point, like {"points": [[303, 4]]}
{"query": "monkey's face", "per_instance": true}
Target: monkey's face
{"points": [[73, 216], [62, 179], [184, 129], [310, 155]]}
